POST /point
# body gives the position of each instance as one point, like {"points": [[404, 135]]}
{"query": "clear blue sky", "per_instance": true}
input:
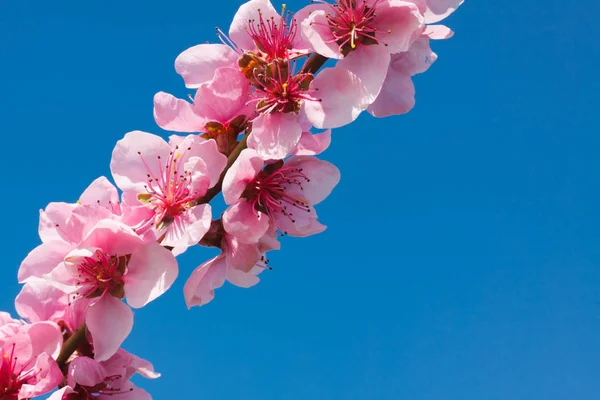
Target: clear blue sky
{"points": [[462, 256]]}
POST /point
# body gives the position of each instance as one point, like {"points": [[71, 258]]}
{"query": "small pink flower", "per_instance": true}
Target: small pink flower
{"points": [[362, 34], [239, 263], [27, 368], [163, 180], [257, 28], [220, 108], [281, 194], [88, 379], [108, 263]]}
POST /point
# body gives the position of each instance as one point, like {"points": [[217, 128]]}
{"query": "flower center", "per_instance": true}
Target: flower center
{"points": [[351, 23], [169, 193], [269, 191], [279, 90], [100, 274], [273, 38], [12, 377]]}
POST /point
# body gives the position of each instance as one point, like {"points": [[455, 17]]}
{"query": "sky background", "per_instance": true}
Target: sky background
{"points": [[461, 260]]}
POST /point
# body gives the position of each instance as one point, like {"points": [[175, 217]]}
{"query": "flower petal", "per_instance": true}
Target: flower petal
{"points": [[86, 372], [274, 136], [316, 30], [312, 144], [197, 64], [242, 172], [200, 287], [396, 97], [323, 177], [43, 259], [437, 10], [398, 24], [223, 98], [107, 334], [370, 65], [131, 157], [151, 271], [249, 13], [243, 222], [342, 98], [175, 114]]}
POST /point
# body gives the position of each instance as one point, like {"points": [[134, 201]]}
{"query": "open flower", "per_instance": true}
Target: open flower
{"points": [[238, 263], [88, 379], [281, 195], [163, 180], [27, 368], [220, 108], [103, 262], [362, 34]]}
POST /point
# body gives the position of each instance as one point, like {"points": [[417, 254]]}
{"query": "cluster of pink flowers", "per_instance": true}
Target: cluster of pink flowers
{"points": [[258, 96]]}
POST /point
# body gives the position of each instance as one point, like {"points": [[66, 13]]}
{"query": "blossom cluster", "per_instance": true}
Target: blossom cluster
{"points": [[262, 112]]}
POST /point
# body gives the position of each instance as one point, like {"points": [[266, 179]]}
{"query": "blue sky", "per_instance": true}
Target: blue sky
{"points": [[461, 259]]}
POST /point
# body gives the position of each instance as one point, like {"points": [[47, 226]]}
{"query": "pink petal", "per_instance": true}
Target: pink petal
{"points": [[208, 151], [127, 164], [274, 136], [53, 220], [47, 379], [41, 301], [416, 60], [370, 65], [316, 30], [300, 223], [241, 279], [83, 219], [398, 24], [112, 237], [323, 176], [46, 337], [197, 64], [174, 114], [43, 259], [241, 256], [312, 144], [188, 228], [249, 12], [86, 372], [438, 32], [437, 10], [150, 272], [101, 192], [243, 222], [396, 97], [242, 172], [223, 98], [200, 287], [343, 97], [101, 322]]}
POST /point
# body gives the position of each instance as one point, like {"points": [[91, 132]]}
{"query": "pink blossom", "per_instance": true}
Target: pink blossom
{"points": [[102, 262], [239, 263], [220, 108], [88, 379], [162, 181], [281, 195], [27, 368], [363, 35]]}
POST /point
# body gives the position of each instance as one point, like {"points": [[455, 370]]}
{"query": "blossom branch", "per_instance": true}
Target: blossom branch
{"points": [[215, 190], [71, 345]]}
